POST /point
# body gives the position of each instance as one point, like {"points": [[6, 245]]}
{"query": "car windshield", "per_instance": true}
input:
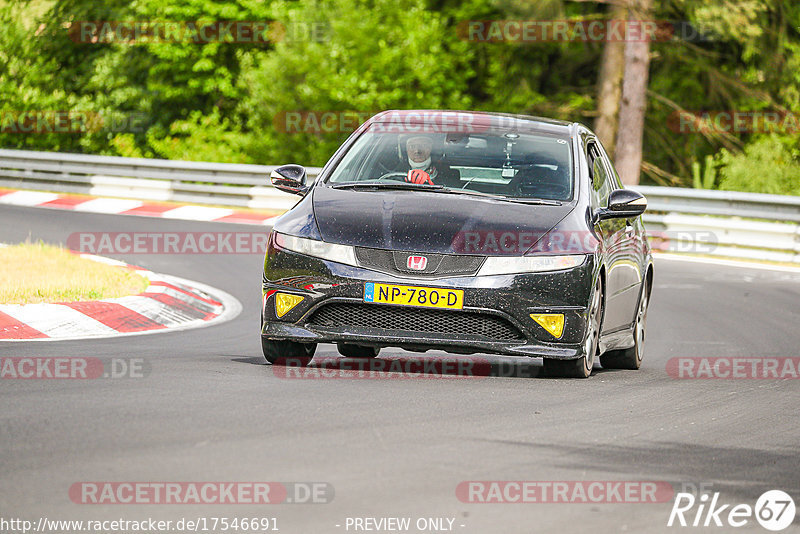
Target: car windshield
{"points": [[505, 164]]}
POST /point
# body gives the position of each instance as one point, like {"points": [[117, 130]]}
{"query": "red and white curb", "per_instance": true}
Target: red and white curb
{"points": [[169, 303], [123, 206]]}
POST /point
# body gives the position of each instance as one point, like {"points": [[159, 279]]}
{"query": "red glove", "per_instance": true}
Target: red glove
{"points": [[418, 176]]}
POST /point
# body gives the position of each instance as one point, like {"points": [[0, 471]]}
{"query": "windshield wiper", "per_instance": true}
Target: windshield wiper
{"points": [[388, 185], [460, 191], [401, 186], [533, 201]]}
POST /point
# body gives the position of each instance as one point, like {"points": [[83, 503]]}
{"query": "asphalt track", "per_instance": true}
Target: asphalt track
{"points": [[212, 410]]}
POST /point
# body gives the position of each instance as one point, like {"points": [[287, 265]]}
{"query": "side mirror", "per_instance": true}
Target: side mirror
{"points": [[623, 204], [290, 178]]}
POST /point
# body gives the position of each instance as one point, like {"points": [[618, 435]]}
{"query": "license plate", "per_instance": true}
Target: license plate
{"points": [[428, 297]]}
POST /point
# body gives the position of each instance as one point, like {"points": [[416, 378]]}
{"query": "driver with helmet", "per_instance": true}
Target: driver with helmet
{"points": [[422, 169]]}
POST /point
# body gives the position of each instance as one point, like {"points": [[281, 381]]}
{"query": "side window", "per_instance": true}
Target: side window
{"points": [[601, 183], [613, 177]]}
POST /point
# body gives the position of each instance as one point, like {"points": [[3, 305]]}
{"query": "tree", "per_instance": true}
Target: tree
{"points": [[612, 69], [628, 154], [374, 55]]}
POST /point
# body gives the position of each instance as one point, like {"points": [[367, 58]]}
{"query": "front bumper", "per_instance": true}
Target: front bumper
{"points": [[505, 301]]}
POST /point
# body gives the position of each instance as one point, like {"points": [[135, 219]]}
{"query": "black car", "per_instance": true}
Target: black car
{"points": [[461, 231]]}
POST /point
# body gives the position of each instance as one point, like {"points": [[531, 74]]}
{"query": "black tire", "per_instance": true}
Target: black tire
{"points": [[631, 358], [582, 367], [349, 350], [288, 353]]}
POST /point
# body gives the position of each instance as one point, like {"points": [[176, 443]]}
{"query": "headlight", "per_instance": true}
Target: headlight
{"points": [[529, 264], [318, 249]]}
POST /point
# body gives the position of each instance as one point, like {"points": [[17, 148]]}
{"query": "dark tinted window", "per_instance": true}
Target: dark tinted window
{"points": [[616, 183], [601, 182]]}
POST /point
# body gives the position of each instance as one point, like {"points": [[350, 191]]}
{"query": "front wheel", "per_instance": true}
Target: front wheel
{"points": [[289, 353], [582, 367], [631, 358]]}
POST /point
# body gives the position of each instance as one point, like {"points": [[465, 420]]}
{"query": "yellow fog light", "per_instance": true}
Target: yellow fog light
{"points": [[284, 302], [552, 322]]}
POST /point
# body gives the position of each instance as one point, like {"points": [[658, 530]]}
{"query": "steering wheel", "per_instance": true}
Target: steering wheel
{"points": [[543, 189], [385, 168]]}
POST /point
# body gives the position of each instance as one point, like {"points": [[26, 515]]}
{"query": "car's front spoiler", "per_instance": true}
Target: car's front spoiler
{"points": [[395, 338]]}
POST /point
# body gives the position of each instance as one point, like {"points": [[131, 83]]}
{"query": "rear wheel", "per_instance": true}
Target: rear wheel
{"points": [[349, 350], [582, 367], [631, 358], [289, 353]]}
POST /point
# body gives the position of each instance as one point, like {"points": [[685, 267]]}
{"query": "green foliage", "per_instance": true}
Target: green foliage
{"points": [[200, 138], [374, 55], [770, 164], [708, 177], [26, 84], [748, 61], [228, 101], [168, 82]]}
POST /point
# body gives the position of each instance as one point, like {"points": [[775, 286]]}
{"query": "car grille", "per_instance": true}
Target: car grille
{"points": [[418, 320], [392, 261]]}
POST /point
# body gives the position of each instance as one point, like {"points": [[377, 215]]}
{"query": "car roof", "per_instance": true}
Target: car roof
{"points": [[477, 120]]}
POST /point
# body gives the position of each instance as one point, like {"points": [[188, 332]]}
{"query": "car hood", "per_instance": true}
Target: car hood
{"points": [[422, 221]]}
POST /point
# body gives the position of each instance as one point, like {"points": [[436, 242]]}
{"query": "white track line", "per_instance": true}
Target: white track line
{"points": [[197, 213], [728, 263], [108, 205], [27, 198], [55, 320]]}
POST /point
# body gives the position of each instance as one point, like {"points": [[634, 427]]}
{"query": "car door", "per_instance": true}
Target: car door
{"points": [[628, 265], [614, 237]]}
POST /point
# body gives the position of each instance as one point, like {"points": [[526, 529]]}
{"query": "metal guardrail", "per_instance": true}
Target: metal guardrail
{"points": [[724, 203], [723, 223], [145, 179]]}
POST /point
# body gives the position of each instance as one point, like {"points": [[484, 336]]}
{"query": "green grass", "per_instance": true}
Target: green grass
{"points": [[35, 272]]}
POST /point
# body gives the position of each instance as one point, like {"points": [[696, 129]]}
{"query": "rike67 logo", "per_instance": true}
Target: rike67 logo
{"points": [[774, 510]]}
